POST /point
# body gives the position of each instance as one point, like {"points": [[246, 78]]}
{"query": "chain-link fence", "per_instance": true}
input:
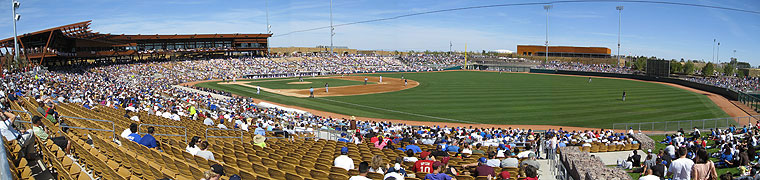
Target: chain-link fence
{"points": [[669, 126]]}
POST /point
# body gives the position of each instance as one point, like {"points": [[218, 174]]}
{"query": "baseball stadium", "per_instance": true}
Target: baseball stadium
{"points": [[206, 102]]}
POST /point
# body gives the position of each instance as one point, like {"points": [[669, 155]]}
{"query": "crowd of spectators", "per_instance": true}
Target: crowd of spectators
{"points": [[147, 87]]}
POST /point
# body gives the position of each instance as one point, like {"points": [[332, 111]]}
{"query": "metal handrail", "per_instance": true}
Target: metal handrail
{"points": [[113, 125], [22, 111], [93, 129], [158, 125], [220, 129]]}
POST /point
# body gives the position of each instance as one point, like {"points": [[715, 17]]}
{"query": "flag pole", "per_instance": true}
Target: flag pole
{"points": [[465, 55]]}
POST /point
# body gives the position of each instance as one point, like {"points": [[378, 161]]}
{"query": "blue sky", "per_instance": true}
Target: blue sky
{"points": [[666, 31]]}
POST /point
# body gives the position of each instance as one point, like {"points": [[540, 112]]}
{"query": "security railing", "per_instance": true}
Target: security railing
{"points": [[669, 126], [113, 126], [223, 137], [139, 129]]}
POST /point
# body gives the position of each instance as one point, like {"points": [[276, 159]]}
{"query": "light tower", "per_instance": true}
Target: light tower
{"points": [[269, 27], [14, 5], [620, 15], [332, 29], [547, 7]]}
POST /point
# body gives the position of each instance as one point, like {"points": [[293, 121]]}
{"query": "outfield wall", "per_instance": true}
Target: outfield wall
{"points": [[728, 94]]}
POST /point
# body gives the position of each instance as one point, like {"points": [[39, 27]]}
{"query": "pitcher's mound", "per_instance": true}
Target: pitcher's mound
{"points": [[305, 82]]}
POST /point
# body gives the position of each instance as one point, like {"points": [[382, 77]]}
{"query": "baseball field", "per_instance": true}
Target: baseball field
{"points": [[486, 98]]}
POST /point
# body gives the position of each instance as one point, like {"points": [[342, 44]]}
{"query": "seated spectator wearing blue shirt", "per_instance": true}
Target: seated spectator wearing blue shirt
{"points": [[343, 138], [726, 159], [414, 148], [259, 131], [452, 148], [135, 137], [148, 140]]}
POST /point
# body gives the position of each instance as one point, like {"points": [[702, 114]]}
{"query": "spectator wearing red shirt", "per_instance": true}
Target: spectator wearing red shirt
{"points": [[425, 165]]}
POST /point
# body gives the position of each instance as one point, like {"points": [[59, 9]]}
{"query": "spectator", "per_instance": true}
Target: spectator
{"points": [[258, 130], [343, 138], [260, 141], [410, 156], [492, 161], [215, 173], [484, 169], [363, 170], [39, 130], [446, 168], [531, 161], [531, 173], [726, 159], [437, 174], [377, 165], [208, 121], [148, 140], [649, 176], [680, 169], [345, 162], [703, 168], [426, 164], [191, 146], [135, 136], [510, 161], [397, 168], [8, 127], [125, 134], [203, 152], [414, 148]]}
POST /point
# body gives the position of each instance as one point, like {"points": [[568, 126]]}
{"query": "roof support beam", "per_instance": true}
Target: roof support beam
{"points": [[44, 51]]}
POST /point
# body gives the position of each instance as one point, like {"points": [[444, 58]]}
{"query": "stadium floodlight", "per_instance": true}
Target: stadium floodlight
{"points": [[620, 17], [16, 17], [717, 53], [269, 27], [332, 31], [547, 7], [713, 52]]}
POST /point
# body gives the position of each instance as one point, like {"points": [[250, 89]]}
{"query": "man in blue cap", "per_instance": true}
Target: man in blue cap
{"points": [[343, 161]]}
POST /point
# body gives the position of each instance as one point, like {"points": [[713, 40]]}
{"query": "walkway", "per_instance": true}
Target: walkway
{"points": [[214, 95], [611, 158], [544, 172]]}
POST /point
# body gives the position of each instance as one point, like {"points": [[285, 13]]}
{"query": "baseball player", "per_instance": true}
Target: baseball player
{"points": [[402, 76], [258, 89], [327, 86], [589, 79], [300, 79], [405, 82], [381, 78], [623, 95], [311, 92], [365, 80]]}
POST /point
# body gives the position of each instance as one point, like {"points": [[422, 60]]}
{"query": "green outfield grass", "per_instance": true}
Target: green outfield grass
{"points": [[512, 98], [315, 82]]}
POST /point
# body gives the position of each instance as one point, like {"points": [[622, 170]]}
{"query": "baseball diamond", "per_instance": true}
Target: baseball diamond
{"points": [[508, 98]]}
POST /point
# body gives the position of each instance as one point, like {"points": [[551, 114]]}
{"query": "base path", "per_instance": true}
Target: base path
{"points": [[388, 85]]}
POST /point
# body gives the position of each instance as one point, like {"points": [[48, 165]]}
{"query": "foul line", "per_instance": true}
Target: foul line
{"points": [[402, 112]]}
